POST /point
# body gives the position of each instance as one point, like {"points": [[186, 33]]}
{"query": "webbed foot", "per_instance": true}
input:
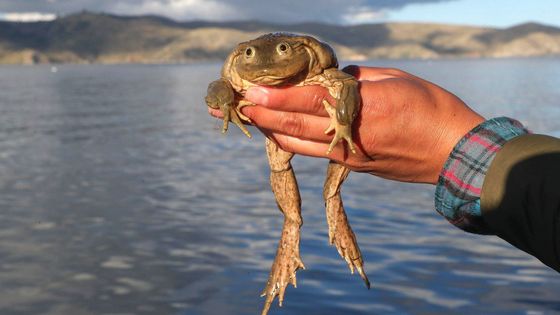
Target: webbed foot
{"points": [[243, 103], [340, 131], [343, 238], [235, 116], [284, 268], [340, 232]]}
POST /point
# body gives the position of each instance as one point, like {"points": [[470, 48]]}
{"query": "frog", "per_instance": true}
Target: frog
{"points": [[280, 60]]}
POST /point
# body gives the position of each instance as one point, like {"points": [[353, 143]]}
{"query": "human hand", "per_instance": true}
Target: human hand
{"points": [[405, 130]]}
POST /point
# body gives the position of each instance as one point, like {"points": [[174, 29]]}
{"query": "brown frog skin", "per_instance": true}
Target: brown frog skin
{"points": [[280, 59]]}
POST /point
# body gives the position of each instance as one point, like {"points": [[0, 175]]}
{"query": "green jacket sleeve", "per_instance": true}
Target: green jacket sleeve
{"points": [[520, 199]]}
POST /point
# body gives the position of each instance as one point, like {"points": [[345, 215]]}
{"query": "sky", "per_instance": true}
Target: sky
{"points": [[495, 13]]}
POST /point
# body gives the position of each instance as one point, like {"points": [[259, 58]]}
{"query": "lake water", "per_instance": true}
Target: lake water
{"points": [[119, 195]]}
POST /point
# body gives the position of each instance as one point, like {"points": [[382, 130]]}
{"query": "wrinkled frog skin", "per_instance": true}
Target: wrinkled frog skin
{"points": [[280, 59]]}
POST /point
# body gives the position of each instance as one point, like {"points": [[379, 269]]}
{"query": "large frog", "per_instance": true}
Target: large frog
{"points": [[280, 59]]}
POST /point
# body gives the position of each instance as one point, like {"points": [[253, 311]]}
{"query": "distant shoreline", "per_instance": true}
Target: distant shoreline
{"points": [[220, 62], [93, 38]]}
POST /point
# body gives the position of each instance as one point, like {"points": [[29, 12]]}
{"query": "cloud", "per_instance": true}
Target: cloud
{"points": [[27, 17], [179, 9], [286, 11], [357, 15]]}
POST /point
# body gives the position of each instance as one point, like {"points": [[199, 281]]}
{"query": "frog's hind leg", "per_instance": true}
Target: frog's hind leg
{"points": [[340, 232], [286, 192]]}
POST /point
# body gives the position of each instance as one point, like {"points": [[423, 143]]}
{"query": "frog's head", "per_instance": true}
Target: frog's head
{"points": [[278, 59]]}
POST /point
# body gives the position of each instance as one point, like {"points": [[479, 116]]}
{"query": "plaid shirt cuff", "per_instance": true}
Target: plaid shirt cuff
{"points": [[460, 181]]}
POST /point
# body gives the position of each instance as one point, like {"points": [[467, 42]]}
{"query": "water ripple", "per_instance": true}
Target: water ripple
{"points": [[121, 196]]}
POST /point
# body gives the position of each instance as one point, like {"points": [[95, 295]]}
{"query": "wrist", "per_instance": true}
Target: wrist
{"points": [[451, 134], [460, 182]]}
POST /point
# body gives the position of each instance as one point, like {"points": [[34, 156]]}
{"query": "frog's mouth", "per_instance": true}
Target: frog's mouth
{"points": [[270, 80], [267, 77]]}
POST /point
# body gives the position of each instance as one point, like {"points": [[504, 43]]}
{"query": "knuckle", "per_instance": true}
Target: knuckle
{"points": [[292, 123], [317, 102], [395, 72], [285, 144]]}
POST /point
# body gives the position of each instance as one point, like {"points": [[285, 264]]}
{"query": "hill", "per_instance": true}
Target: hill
{"points": [[103, 38]]}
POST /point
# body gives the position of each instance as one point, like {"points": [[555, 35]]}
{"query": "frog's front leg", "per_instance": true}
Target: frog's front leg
{"points": [[286, 192], [340, 232], [221, 95], [344, 89]]}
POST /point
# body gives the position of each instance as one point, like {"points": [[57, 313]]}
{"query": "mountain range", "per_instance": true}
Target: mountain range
{"points": [[103, 38]]}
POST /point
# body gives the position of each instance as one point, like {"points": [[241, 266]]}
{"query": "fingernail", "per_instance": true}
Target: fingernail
{"points": [[257, 95]]}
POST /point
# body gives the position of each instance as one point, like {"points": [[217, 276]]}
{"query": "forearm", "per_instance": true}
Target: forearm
{"points": [[500, 180], [520, 199]]}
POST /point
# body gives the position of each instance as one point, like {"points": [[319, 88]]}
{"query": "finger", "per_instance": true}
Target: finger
{"points": [[374, 73], [215, 112], [301, 99], [297, 125], [306, 147]]}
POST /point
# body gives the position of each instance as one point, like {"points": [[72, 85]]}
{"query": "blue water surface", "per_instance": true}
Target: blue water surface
{"points": [[119, 195]]}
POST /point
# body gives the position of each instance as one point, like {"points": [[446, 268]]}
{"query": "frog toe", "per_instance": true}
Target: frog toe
{"points": [[234, 116], [242, 116], [342, 132], [231, 114]]}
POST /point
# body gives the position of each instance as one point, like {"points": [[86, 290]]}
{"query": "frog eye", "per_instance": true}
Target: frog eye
{"points": [[249, 52], [282, 48]]}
